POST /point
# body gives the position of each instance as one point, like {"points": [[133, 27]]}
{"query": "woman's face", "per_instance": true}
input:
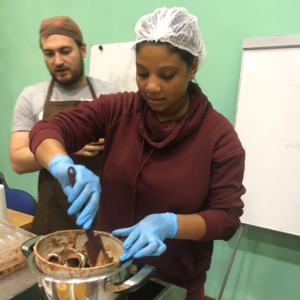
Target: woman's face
{"points": [[162, 78]]}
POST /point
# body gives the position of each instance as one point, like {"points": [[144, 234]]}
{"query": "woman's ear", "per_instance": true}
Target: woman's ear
{"points": [[194, 68]]}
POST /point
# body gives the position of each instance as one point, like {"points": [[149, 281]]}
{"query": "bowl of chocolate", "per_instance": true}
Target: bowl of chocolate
{"points": [[61, 262], [63, 254]]}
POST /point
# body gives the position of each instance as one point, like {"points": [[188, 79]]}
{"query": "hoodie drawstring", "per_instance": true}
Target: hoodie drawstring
{"points": [[133, 196]]}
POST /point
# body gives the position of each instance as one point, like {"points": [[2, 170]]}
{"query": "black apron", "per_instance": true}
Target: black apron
{"points": [[51, 211]]}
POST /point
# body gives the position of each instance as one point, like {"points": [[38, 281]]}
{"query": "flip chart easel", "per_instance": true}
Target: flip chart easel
{"points": [[114, 63], [268, 124]]}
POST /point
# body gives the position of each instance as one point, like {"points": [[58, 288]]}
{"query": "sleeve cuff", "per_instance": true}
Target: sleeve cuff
{"points": [[43, 134], [213, 226]]}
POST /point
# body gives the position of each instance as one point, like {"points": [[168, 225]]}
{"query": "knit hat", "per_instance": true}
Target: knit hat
{"points": [[61, 25]]}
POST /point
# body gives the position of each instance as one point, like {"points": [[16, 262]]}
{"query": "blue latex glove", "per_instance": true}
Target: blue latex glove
{"points": [[85, 193], [146, 238]]}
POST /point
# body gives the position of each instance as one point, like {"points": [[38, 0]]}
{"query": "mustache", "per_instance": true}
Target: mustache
{"points": [[61, 68]]}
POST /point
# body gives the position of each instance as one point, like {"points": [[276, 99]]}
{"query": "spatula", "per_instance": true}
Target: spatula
{"points": [[94, 244]]}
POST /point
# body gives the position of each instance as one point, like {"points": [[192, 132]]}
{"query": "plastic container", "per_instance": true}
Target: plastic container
{"points": [[11, 240]]}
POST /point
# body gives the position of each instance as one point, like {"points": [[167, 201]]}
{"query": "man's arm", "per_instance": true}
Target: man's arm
{"points": [[23, 161], [21, 158]]}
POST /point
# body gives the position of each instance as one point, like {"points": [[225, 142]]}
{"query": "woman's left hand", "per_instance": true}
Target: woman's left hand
{"points": [[146, 238]]}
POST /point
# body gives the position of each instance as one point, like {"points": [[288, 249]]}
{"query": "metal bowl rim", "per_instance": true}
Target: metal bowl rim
{"points": [[81, 231]]}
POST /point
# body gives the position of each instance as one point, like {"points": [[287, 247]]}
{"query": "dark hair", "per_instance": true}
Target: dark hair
{"points": [[184, 55], [79, 44]]}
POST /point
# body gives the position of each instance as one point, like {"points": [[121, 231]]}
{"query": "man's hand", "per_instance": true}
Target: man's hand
{"points": [[91, 149]]}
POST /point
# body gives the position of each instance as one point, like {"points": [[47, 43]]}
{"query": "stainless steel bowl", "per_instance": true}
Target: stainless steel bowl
{"points": [[114, 284]]}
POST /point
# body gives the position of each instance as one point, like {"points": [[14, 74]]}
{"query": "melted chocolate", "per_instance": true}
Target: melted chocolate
{"points": [[70, 255]]}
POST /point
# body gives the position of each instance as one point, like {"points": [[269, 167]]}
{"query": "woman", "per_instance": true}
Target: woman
{"points": [[176, 187]]}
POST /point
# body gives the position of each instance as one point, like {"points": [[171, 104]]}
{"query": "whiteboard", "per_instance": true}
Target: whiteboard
{"points": [[114, 63], [268, 125]]}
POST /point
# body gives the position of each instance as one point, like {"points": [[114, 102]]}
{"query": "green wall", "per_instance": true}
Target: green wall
{"points": [[267, 264]]}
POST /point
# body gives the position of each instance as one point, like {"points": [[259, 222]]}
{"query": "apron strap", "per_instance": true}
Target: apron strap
{"points": [[50, 89], [48, 97], [91, 88]]}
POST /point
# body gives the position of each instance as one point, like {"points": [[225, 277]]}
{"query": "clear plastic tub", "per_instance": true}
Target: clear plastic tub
{"points": [[11, 239]]}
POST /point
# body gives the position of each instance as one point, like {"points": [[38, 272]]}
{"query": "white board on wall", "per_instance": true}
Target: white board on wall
{"points": [[114, 63], [268, 125]]}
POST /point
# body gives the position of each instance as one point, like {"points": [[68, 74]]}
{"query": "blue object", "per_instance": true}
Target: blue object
{"points": [[84, 196], [58, 167], [20, 201], [146, 238]]}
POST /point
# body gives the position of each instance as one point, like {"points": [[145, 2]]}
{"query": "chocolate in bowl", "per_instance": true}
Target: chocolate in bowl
{"points": [[74, 239]]}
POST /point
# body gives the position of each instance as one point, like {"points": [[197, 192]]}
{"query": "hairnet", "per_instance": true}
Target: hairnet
{"points": [[175, 26]]}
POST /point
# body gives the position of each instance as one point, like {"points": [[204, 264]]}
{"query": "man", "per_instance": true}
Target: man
{"points": [[63, 48]]}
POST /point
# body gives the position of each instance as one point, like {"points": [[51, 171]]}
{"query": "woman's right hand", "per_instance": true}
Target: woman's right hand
{"points": [[84, 196]]}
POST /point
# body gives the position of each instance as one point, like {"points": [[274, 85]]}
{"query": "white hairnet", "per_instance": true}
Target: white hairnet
{"points": [[175, 26]]}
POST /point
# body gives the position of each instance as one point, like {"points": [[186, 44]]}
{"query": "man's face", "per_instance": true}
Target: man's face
{"points": [[64, 59]]}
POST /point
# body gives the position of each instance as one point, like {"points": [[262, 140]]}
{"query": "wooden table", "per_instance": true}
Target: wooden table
{"points": [[19, 219]]}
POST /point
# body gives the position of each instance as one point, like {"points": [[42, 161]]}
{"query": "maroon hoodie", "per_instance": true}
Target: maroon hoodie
{"points": [[192, 164]]}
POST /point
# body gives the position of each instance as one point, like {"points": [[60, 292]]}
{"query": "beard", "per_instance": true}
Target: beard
{"points": [[76, 74]]}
